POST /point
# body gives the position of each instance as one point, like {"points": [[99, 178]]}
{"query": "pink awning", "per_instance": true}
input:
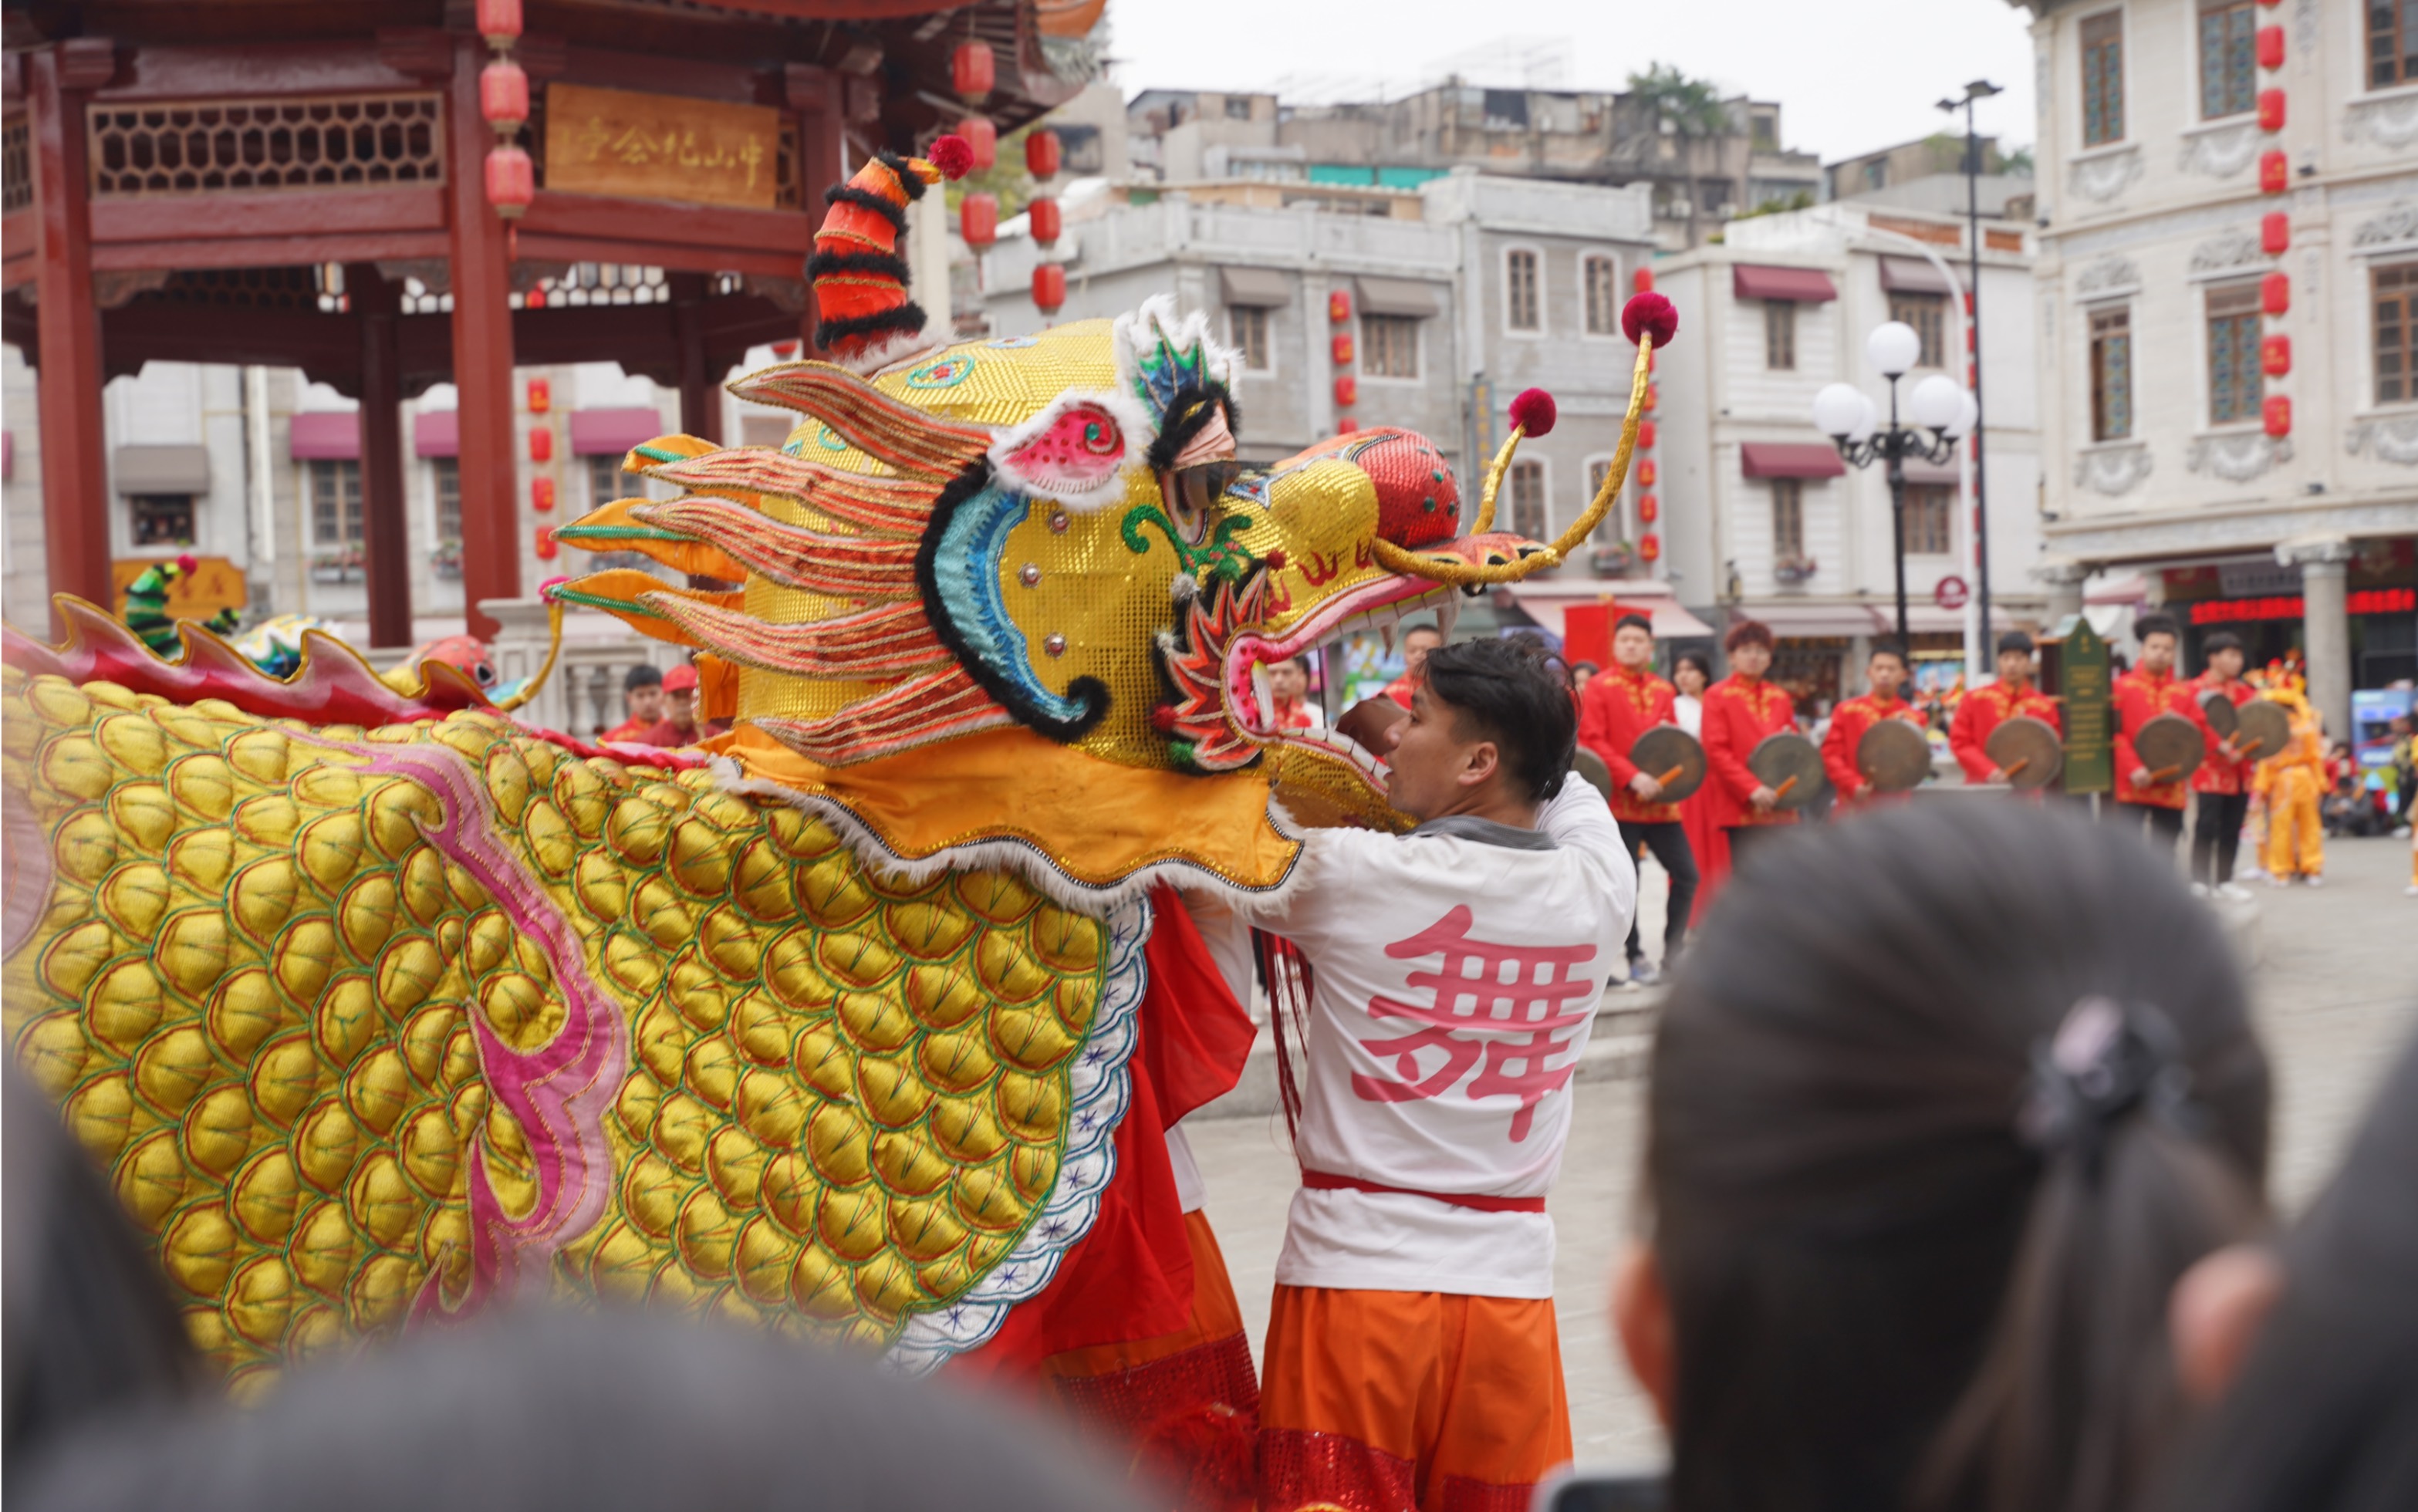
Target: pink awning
{"points": [[436, 433], [601, 432], [1792, 459], [1802, 285], [326, 436]]}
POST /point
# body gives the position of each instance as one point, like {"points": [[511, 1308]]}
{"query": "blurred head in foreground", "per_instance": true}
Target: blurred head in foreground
{"points": [[584, 1412], [1943, 1108]]}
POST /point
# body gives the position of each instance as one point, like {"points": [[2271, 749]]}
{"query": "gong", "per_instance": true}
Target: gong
{"points": [[2223, 715], [1590, 765], [2027, 751], [2170, 746], [1789, 765], [1672, 757], [1893, 755], [2264, 729]]}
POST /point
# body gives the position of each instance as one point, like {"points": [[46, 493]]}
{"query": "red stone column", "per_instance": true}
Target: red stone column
{"points": [[386, 532], [75, 466], [482, 353], [700, 397]]}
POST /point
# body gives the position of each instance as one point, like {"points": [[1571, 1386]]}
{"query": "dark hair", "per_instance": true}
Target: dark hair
{"points": [[1747, 633], [1587, 667], [1888, 648], [1628, 620], [2324, 1416], [2015, 640], [1895, 1281], [2224, 640], [644, 674], [541, 1410], [1516, 693], [2155, 624], [1702, 662]]}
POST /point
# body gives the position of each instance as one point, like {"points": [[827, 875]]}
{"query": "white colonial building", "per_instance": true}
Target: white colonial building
{"points": [[2227, 319]]}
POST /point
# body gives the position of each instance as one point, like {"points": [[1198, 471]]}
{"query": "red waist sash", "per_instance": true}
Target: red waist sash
{"points": [[1319, 1181]]}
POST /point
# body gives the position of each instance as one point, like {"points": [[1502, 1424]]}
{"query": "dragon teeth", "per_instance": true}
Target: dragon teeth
{"points": [[1386, 632], [1447, 614]]}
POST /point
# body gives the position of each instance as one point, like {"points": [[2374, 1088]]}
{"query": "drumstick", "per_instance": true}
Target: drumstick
{"points": [[1671, 776], [2247, 749], [1781, 791], [2009, 772], [2166, 774]]}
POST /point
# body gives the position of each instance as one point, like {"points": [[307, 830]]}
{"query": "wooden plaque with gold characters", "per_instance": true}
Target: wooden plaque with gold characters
{"points": [[661, 148]]}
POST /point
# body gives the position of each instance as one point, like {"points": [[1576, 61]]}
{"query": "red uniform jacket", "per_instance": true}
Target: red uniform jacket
{"points": [[1739, 713], [1981, 710], [1618, 707], [2214, 774], [1848, 723], [2141, 697]]}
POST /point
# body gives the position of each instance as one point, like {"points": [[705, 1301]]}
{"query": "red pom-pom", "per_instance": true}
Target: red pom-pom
{"points": [[952, 155], [545, 589], [1162, 719], [186, 563], [1533, 411], [1652, 313], [1277, 559]]}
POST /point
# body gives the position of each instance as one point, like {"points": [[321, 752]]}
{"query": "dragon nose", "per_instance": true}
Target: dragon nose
{"points": [[1419, 503]]}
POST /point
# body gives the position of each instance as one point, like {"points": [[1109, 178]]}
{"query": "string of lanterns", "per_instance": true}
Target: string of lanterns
{"points": [[504, 104], [1649, 507], [974, 73], [2274, 231]]}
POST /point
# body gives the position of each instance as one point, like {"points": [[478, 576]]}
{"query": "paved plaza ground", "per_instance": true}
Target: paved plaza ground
{"points": [[2335, 992]]}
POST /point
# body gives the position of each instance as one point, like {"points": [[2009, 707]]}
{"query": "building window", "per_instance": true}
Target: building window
{"points": [[1780, 335], [2397, 333], [162, 519], [1927, 517], [2102, 79], [336, 505], [1602, 276], [607, 482], [1788, 519], [2392, 42], [1246, 327], [2234, 386], [1528, 500], [1928, 314], [1608, 529], [2111, 374], [447, 472], [2228, 58], [1520, 291], [1238, 107], [1390, 346]]}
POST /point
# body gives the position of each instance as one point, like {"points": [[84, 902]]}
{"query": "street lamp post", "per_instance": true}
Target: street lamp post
{"points": [[1978, 89], [1939, 405]]}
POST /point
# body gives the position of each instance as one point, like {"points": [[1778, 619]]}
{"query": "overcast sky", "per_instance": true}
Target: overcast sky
{"points": [[1850, 76]]}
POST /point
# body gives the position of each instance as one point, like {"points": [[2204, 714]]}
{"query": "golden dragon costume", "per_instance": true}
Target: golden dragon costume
{"points": [[375, 1005]]}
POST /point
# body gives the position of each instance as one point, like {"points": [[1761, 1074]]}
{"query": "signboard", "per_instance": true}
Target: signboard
{"points": [[214, 584], [2089, 707], [661, 148], [1951, 593]]}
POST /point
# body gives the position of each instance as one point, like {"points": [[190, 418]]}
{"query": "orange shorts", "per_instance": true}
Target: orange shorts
{"points": [[1374, 1401]]}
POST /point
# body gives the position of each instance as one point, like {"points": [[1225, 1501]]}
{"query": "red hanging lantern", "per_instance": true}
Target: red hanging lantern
{"points": [[1342, 346], [541, 396], [2275, 356], [982, 138], [1645, 436], [973, 69], [2274, 173], [2271, 109], [2278, 413], [978, 219], [499, 21], [1653, 396], [1049, 287], [545, 547], [1649, 546], [503, 96], [1649, 508], [1641, 280], [2275, 233], [512, 181], [541, 495], [1339, 306], [1645, 473], [1043, 216], [540, 444], [1347, 390], [2271, 47], [1041, 154], [2275, 294], [1346, 425], [784, 350]]}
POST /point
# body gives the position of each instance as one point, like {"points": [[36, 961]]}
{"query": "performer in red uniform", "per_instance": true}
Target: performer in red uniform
{"points": [[1741, 710], [1886, 671], [1617, 706], [1416, 642], [2141, 696], [2222, 784], [1979, 711]]}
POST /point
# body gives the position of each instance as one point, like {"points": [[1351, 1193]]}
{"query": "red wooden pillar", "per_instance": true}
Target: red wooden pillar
{"points": [[700, 399], [386, 533], [482, 353], [75, 470]]}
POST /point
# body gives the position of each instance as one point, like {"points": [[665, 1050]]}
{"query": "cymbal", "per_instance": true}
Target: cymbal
{"points": [[2223, 716], [2170, 746], [2027, 750], [2268, 724], [1674, 756], [1893, 755], [1790, 764], [1590, 765]]}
